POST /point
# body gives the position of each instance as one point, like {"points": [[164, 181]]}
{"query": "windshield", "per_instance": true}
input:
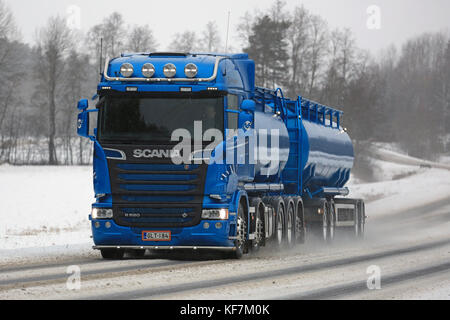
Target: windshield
{"points": [[149, 119]]}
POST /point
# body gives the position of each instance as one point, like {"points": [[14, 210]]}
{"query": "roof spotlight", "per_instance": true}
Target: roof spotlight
{"points": [[191, 70], [127, 70], [148, 70], [170, 70]]}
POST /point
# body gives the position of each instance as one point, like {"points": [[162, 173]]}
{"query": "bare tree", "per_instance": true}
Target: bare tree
{"points": [[111, 34], [12, 66], [211, 41], [8, 27], [244, 28], [318, 49], [298, 37], [141, 39], [53, 43], [185, 42], [341, 63]]}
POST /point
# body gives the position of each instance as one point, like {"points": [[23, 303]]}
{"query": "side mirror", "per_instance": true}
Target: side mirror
{"points": [[248, 105], [83, 105], [83, 124]]}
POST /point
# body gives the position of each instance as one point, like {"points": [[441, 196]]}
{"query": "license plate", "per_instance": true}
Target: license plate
{"points": [[156, 236]]}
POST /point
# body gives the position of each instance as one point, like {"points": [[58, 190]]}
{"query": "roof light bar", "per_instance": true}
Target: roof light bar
{"points": [[130, 79]]}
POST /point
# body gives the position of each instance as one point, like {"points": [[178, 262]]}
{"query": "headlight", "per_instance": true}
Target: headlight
{"points": [[191, 70], [170, 70], [99, 213], [148, 70], [127, 70], [215, 214]]}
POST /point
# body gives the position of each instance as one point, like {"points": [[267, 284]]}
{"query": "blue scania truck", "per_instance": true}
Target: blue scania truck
{"points": [[221, 196]]}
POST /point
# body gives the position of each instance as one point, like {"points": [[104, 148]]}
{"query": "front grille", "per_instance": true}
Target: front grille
{"points": [[156, 195]]}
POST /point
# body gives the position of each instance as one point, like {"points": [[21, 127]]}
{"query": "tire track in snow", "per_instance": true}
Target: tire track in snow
{"points": [[356, 287], [101, 273], [160, 291]]}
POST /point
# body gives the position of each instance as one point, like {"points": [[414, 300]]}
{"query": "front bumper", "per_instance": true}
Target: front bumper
{"points": [[197, 237], [165, 248]]}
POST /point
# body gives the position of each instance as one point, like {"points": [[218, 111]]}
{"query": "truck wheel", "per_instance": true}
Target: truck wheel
{"points": [[291, 226], [112, 254], [328, 223], [241, 234], [260, 233], [332, 221], [357, 224], [325, 220], [300, 230], [280, 232], [360, 221]]}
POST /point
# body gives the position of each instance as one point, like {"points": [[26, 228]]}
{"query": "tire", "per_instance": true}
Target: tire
{"points": [[241, 234], [300, 230], [112, 254], [332, 218], [328, 223], [290, 225], [356, 228], [280, 224], [360, 223], [260, 239]]}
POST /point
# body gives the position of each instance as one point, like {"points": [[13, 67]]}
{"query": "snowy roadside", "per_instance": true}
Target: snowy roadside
{"points": [[401, 187], [44, 211]]}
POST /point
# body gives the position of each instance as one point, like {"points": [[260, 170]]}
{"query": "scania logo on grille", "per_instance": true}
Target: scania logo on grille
{"points": [[147, 153]]}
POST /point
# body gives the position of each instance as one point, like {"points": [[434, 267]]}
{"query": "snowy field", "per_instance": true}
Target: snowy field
{"points": [[44, 210]]}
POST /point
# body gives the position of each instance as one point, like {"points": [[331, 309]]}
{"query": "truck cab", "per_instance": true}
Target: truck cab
{"points": [[143, 199]]}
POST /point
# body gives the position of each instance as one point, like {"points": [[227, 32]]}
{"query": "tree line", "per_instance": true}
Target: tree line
{"points": [[401, 95]]}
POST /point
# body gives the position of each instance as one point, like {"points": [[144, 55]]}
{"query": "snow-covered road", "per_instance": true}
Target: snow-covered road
{"points": [[407, 241]]}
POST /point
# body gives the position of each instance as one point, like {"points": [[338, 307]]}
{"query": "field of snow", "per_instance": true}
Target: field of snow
{"points": [[44, 210]]}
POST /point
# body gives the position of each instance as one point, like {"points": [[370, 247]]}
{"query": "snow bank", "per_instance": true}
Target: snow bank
{"points": [[417, 187], [395, 157], [44, 206]]}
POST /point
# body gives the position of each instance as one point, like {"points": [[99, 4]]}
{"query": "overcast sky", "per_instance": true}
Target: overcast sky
{"points": [[399, 19]]}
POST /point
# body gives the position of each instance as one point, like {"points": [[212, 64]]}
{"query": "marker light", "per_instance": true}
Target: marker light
{"points": [[191, 70], [170, 70], [127, 70], [148, 70]]}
